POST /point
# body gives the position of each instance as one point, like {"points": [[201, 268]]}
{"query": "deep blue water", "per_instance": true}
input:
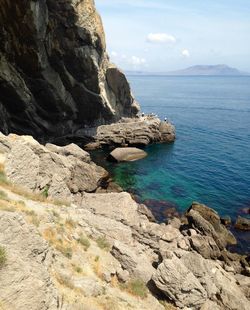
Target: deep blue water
{"points": [[210, 160]]}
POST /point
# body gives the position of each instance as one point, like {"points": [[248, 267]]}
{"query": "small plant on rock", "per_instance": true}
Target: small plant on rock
{"points": [[103, 243], [66, 251], [45, 191], [84, 242], [3, 256], [136, 287]]}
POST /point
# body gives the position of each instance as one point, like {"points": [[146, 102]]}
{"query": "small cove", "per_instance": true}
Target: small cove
{"points": [[210, 160]]}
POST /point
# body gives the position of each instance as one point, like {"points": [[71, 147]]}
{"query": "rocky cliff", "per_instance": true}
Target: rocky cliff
{"points": [[64, 247], [55, 74]]}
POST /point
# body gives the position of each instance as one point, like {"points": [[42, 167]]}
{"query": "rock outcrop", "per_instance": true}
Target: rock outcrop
{"points": [[113, 238], [137, 131], [25, 279], [242, 223], [59, 172], [55, 75]]}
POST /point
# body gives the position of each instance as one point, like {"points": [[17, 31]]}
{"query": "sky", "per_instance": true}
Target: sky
{"points": [[166, 35]]}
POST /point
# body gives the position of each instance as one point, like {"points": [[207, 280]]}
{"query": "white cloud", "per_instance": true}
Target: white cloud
{"points": [[185, 53], [161, 38], [114, 54], [137, 61]]}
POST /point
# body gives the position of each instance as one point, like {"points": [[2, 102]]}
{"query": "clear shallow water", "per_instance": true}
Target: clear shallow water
{"points": [[210, 160]]}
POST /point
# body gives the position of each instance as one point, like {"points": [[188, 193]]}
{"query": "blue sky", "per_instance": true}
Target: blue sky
{"points": [[165, 35]]}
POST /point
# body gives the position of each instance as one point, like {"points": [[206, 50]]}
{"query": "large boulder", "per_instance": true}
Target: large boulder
{"points": [[179, 284], [208, 223], [59, 172], [55, 74], [127, 154]]}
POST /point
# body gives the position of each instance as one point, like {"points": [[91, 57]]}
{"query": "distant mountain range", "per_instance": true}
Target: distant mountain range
{"points": [[213, 70]]}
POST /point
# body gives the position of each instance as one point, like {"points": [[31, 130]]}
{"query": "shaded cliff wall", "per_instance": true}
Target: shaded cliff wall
{"points": [[55, 75]]}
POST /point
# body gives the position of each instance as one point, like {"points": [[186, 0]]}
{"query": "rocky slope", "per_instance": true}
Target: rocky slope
{"points": [[55, 75], [97, 251]]}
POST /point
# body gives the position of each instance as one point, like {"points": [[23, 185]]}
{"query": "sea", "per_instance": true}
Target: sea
{"points": [[210, 160]]}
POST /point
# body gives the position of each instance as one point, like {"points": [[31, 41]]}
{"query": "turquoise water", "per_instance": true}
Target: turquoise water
{"points": [[210, 160]]}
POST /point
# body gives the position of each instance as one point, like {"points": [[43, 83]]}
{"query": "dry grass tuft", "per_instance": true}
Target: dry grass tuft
{"points": [[65, 281]]}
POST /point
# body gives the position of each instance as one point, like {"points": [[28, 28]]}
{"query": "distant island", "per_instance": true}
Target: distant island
{"points": [[202, 70]]}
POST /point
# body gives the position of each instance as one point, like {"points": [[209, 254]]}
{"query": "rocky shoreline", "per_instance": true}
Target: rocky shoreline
{"points": [[69, 238], [185, 264]]}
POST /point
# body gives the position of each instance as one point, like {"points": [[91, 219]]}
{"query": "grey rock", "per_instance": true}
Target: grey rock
{"points": [[137, 131], [206, 246], [63, 173], [25, 279], [89, 287], [242, 223], [137, 265], [179, 284]]}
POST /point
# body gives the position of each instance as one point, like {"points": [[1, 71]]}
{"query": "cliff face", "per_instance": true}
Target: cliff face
{"points": [[55, 75]]}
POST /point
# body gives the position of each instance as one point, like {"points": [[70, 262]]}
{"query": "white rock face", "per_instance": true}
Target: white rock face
{"points": [[61, 171], [25, 280]]}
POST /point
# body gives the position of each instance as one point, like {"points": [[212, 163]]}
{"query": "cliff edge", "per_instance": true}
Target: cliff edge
{"points": [[55, 74]]}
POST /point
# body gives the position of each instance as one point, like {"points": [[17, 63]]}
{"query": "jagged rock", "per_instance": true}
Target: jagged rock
{"points": [[242, 223], [127, 154], [70, 150], [244, 283], [206, 246], [25, 279], [145, 211], [207, 221], [61, 173], [137, 131], [167, 131], [55, 75], [137, 265], [179, 284], [220, 286]]}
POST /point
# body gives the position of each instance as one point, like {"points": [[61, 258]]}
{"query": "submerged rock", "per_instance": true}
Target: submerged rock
{"points": [[126, 154], [242, 223]]}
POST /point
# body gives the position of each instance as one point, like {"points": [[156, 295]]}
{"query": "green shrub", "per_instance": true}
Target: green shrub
{"points": [[45, 191], [3, 195], [66, 251], [84, 242], [78, 269], [3, 256], [136, 287], [103, 243], [3, 178]]}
